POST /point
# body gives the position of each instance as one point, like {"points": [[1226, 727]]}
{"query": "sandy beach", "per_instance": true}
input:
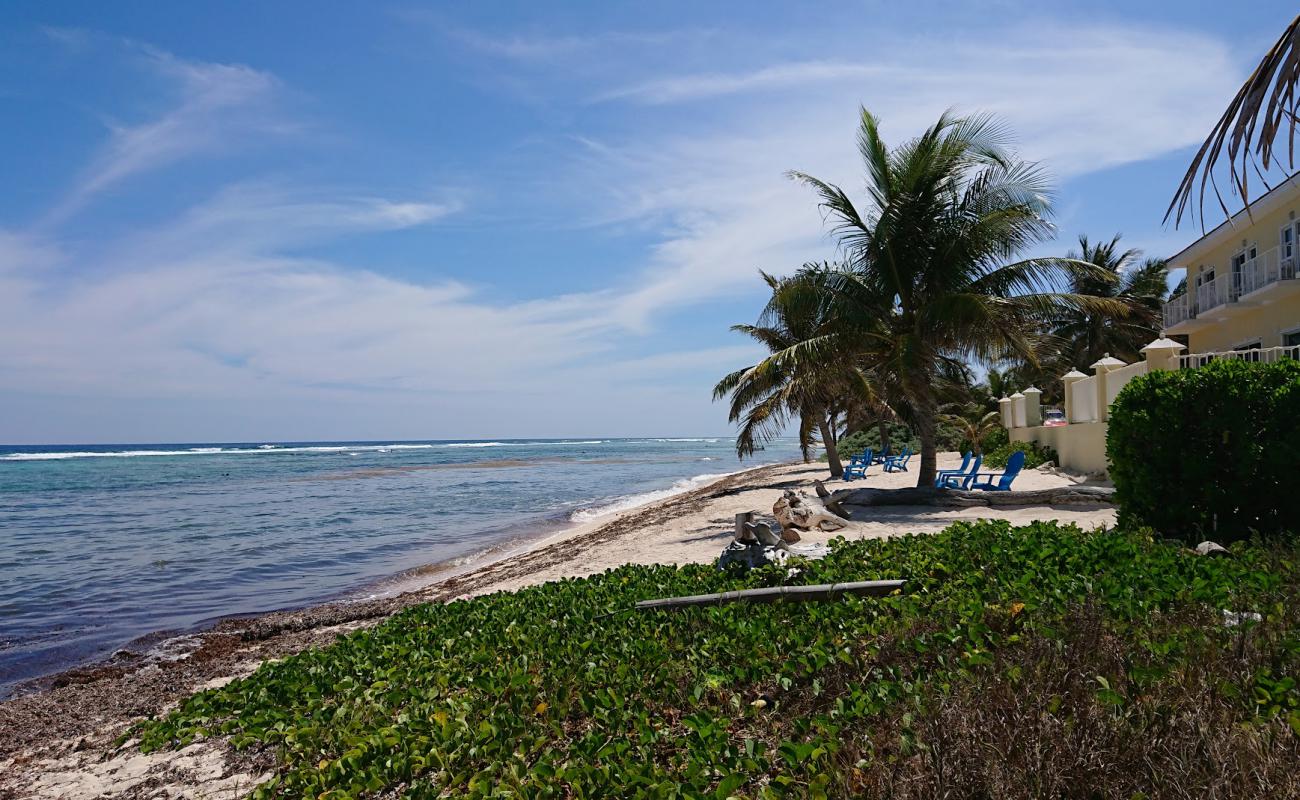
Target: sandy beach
{"points": [[58, 742]]}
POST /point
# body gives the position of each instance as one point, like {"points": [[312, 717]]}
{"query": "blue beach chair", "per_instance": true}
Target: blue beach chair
{"points": [[961, 480], [943, 473], [858, 464], [882, 456], [1004, 479], [898, 463]]}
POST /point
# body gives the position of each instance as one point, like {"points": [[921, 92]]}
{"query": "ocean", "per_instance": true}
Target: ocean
{"points": [[108, 547]]}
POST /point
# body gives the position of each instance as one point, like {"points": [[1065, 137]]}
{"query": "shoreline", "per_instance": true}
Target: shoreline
{"points": [[59, 741], [505, 541], [233, 641]]}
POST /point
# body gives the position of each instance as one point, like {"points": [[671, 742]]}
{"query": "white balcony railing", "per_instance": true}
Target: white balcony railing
{"points": [[1260, 356], [1178, 309], [1212, 294], [1256, 273], [1267, 268]]}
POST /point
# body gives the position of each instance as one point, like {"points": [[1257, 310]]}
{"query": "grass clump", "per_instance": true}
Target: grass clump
{"points": [[1022, 662]]}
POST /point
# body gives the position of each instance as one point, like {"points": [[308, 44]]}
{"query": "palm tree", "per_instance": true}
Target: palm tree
{"points": [[974, 422], [930, 282], [767, 395], [1263, 107], [1085, 336]]}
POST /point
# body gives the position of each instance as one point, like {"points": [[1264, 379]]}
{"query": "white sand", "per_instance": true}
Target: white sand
{"points": [[698, 535]]}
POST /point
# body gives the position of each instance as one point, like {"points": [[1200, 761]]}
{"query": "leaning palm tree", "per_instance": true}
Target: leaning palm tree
{"points": [[1140, 286], [765, 397], [931, 281], [1262, 109]]}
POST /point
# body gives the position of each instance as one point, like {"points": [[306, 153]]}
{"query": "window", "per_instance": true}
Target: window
{"points": [[1291, 339], [1287, 241]]}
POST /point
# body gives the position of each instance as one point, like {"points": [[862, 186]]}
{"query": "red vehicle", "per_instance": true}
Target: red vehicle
{"points": [[1053, 417]]}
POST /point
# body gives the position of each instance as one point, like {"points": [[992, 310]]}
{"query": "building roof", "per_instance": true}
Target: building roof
{"points": [[1262, 205]]}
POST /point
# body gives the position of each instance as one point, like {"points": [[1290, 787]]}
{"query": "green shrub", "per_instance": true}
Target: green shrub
{"points": [[1210, 452], [997, 438], [564, 690], [1036, 454], [946, 436]]}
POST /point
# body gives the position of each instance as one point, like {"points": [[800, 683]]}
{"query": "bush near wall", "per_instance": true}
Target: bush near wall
{"points": [[1211, 452], [1036, 455]]}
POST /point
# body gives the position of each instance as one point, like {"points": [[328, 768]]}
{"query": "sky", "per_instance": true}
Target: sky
{"points": [[248, 221]]}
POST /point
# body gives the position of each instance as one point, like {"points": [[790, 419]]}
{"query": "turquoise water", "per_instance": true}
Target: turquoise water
{"points": [[103, 545]]}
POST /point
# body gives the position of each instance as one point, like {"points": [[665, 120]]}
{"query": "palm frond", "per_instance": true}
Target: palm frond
{"points": [[1261, 109]]}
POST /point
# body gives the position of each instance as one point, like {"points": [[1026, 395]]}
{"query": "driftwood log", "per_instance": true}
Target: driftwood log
{"points": [[798, 510], [956, 498], [822, 591]]}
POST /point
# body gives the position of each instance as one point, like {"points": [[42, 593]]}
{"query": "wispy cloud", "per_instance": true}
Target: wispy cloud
{"points": [[779, 76], [533, 47], [217, 300], [218, 107], [1100, 97]]}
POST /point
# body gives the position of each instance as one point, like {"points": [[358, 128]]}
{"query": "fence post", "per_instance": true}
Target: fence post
{"points": [[1033, 413], [1018, 409], [1105, 365], [1068, 380], [1162, 354], [1008, 420]]}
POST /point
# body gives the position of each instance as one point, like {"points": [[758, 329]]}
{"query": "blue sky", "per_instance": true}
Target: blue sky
{"points": [[257, 221]]}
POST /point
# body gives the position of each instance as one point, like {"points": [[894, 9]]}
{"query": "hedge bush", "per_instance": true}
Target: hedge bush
{"points": [[1209, 453], [1036, 455]]}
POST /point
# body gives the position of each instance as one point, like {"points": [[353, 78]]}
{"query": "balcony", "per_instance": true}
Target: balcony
{"points": [[1178, 310], [1257, 356], [1228, 292]]}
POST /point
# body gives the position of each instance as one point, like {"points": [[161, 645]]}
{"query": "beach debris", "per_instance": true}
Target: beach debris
{"points": [[1212, 549], [758, 543], [765, 535], [828, 500], [798, 510], [773, 594], [751, 555]]}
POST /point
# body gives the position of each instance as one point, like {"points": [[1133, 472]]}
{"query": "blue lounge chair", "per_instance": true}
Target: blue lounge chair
{"points": [[943, 473], [882, 456], [898, 463], [961, 480], [858, 464], [1004, 479]]}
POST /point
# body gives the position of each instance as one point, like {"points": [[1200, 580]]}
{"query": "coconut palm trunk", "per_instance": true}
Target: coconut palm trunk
{"points": [[922, 397], [832, 454]]}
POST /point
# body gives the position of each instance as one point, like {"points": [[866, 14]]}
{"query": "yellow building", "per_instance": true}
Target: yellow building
{"points": [[1242, 287]]}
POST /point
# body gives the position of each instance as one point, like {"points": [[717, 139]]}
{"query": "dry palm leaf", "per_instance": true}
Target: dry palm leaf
{"points": [[1249, 128]]}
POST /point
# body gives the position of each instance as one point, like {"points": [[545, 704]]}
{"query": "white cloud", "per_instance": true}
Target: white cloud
{"points": [[703, 87], [214, 304], [1079, 100], [219, 106]]}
